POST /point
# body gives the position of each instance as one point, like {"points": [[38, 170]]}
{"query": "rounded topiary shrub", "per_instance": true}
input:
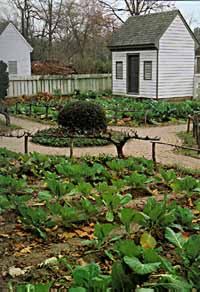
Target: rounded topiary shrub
{"points": [[83, 117]]}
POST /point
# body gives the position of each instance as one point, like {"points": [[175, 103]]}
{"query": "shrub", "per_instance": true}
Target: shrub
{"points": [[83, 117], [4, 83]]}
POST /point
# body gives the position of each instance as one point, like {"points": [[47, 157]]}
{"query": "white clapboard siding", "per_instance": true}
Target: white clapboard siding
{"points": [[30, 85], [147, 88], [13, 47], [176, 61]]}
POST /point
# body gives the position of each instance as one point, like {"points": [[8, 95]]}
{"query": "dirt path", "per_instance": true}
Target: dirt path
{"points": [[164, 154]]}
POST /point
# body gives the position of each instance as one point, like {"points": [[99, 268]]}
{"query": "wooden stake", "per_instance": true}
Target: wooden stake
{"points": [[47, 111], [71, 148], [30, 109], [26, 144], [154, 152], [188, 125]]}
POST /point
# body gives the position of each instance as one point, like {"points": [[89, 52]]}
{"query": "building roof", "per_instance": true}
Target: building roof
{"points": [[3, 26], [144, 30]]}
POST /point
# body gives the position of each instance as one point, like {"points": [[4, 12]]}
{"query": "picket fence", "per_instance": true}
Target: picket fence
{"points": [[30, 85], [197, 86]]}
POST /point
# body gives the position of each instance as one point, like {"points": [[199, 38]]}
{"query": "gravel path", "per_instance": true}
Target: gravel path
{"points": [[164, 154]]}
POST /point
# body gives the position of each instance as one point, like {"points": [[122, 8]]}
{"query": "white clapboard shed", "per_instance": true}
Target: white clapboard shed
{"points": [[153, 56], [15, 51]]}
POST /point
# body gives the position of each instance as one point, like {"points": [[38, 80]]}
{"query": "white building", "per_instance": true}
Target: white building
{"points": [[153, 56], [15, 51]]}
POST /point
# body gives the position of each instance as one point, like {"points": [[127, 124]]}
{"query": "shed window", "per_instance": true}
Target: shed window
{"points": [[198, 64], [12, 67], [119, 70], [147, 70]]}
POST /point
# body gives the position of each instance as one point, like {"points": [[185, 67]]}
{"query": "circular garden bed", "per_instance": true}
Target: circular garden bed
{"points": [[48, 137]]}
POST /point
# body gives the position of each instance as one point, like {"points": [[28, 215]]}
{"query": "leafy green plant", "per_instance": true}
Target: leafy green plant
{"points": [[57, 188], [186, 185], [9, 185], [137, 180], [168, 175], [102, 231], [189, 252], [35, 218], [158, 213], [90, 278]]}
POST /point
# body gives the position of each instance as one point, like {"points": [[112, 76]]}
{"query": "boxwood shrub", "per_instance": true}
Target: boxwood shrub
{"points": [[83, 117]]}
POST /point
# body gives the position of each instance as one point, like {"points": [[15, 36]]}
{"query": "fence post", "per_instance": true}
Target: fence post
{"points": [[16, 107], [26, 143], [188, 124], [71, 147], [198, 133], [47, 112], [145, 117], [30, 109], [154, 152]]}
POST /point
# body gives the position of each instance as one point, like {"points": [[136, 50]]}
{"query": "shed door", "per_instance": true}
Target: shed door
{"points": [[133, 73]]}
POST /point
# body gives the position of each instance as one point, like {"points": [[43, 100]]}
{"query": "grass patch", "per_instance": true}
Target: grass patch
{"points": [[46, 138], [188, 141]]}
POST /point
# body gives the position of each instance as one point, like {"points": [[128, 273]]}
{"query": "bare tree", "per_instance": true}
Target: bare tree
{"points": [[25, 8], [134, 7], [48, 13]]}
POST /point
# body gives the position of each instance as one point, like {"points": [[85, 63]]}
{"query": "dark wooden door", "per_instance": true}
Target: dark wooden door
{"points": [[133, 74]]}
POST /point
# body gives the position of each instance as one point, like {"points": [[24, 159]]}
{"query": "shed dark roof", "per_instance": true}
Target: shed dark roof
{"points": [[3, 26], [143, 30]]}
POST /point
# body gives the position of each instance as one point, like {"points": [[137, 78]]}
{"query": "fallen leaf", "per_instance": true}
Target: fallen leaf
{"points": [[81, 233], [81, 262], [15, 272], [4, 235], [190, 203], [147, 240], [23, 251], [67, 235]]}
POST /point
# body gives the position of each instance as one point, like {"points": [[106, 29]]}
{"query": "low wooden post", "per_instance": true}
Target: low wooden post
{"points": [[30, 109], [145, 117], [16, 107], [26, 143], [154, 152], [198, 134], [115, 116], [188, 124], [71, 148], [47, 112]]}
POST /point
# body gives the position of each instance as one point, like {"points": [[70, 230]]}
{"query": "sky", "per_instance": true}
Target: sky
{"points": [[190, 10]]}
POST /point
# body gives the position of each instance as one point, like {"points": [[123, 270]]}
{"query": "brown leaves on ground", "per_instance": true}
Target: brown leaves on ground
{"points": [[85, 232]]}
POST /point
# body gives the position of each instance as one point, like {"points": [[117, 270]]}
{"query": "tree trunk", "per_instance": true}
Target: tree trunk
{"points": [[5, 113], [120, 152]]}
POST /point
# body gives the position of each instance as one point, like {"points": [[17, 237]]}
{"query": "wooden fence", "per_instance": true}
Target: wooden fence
{"points": [[197, 86], [30, 85]]}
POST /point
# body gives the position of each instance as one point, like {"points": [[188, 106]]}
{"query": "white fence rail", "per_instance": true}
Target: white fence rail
{"points": [[30, 85], [197, 86]]}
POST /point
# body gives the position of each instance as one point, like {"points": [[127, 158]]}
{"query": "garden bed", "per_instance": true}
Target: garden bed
{"points": [[121, 111], [48, 137], [97, 223]]}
